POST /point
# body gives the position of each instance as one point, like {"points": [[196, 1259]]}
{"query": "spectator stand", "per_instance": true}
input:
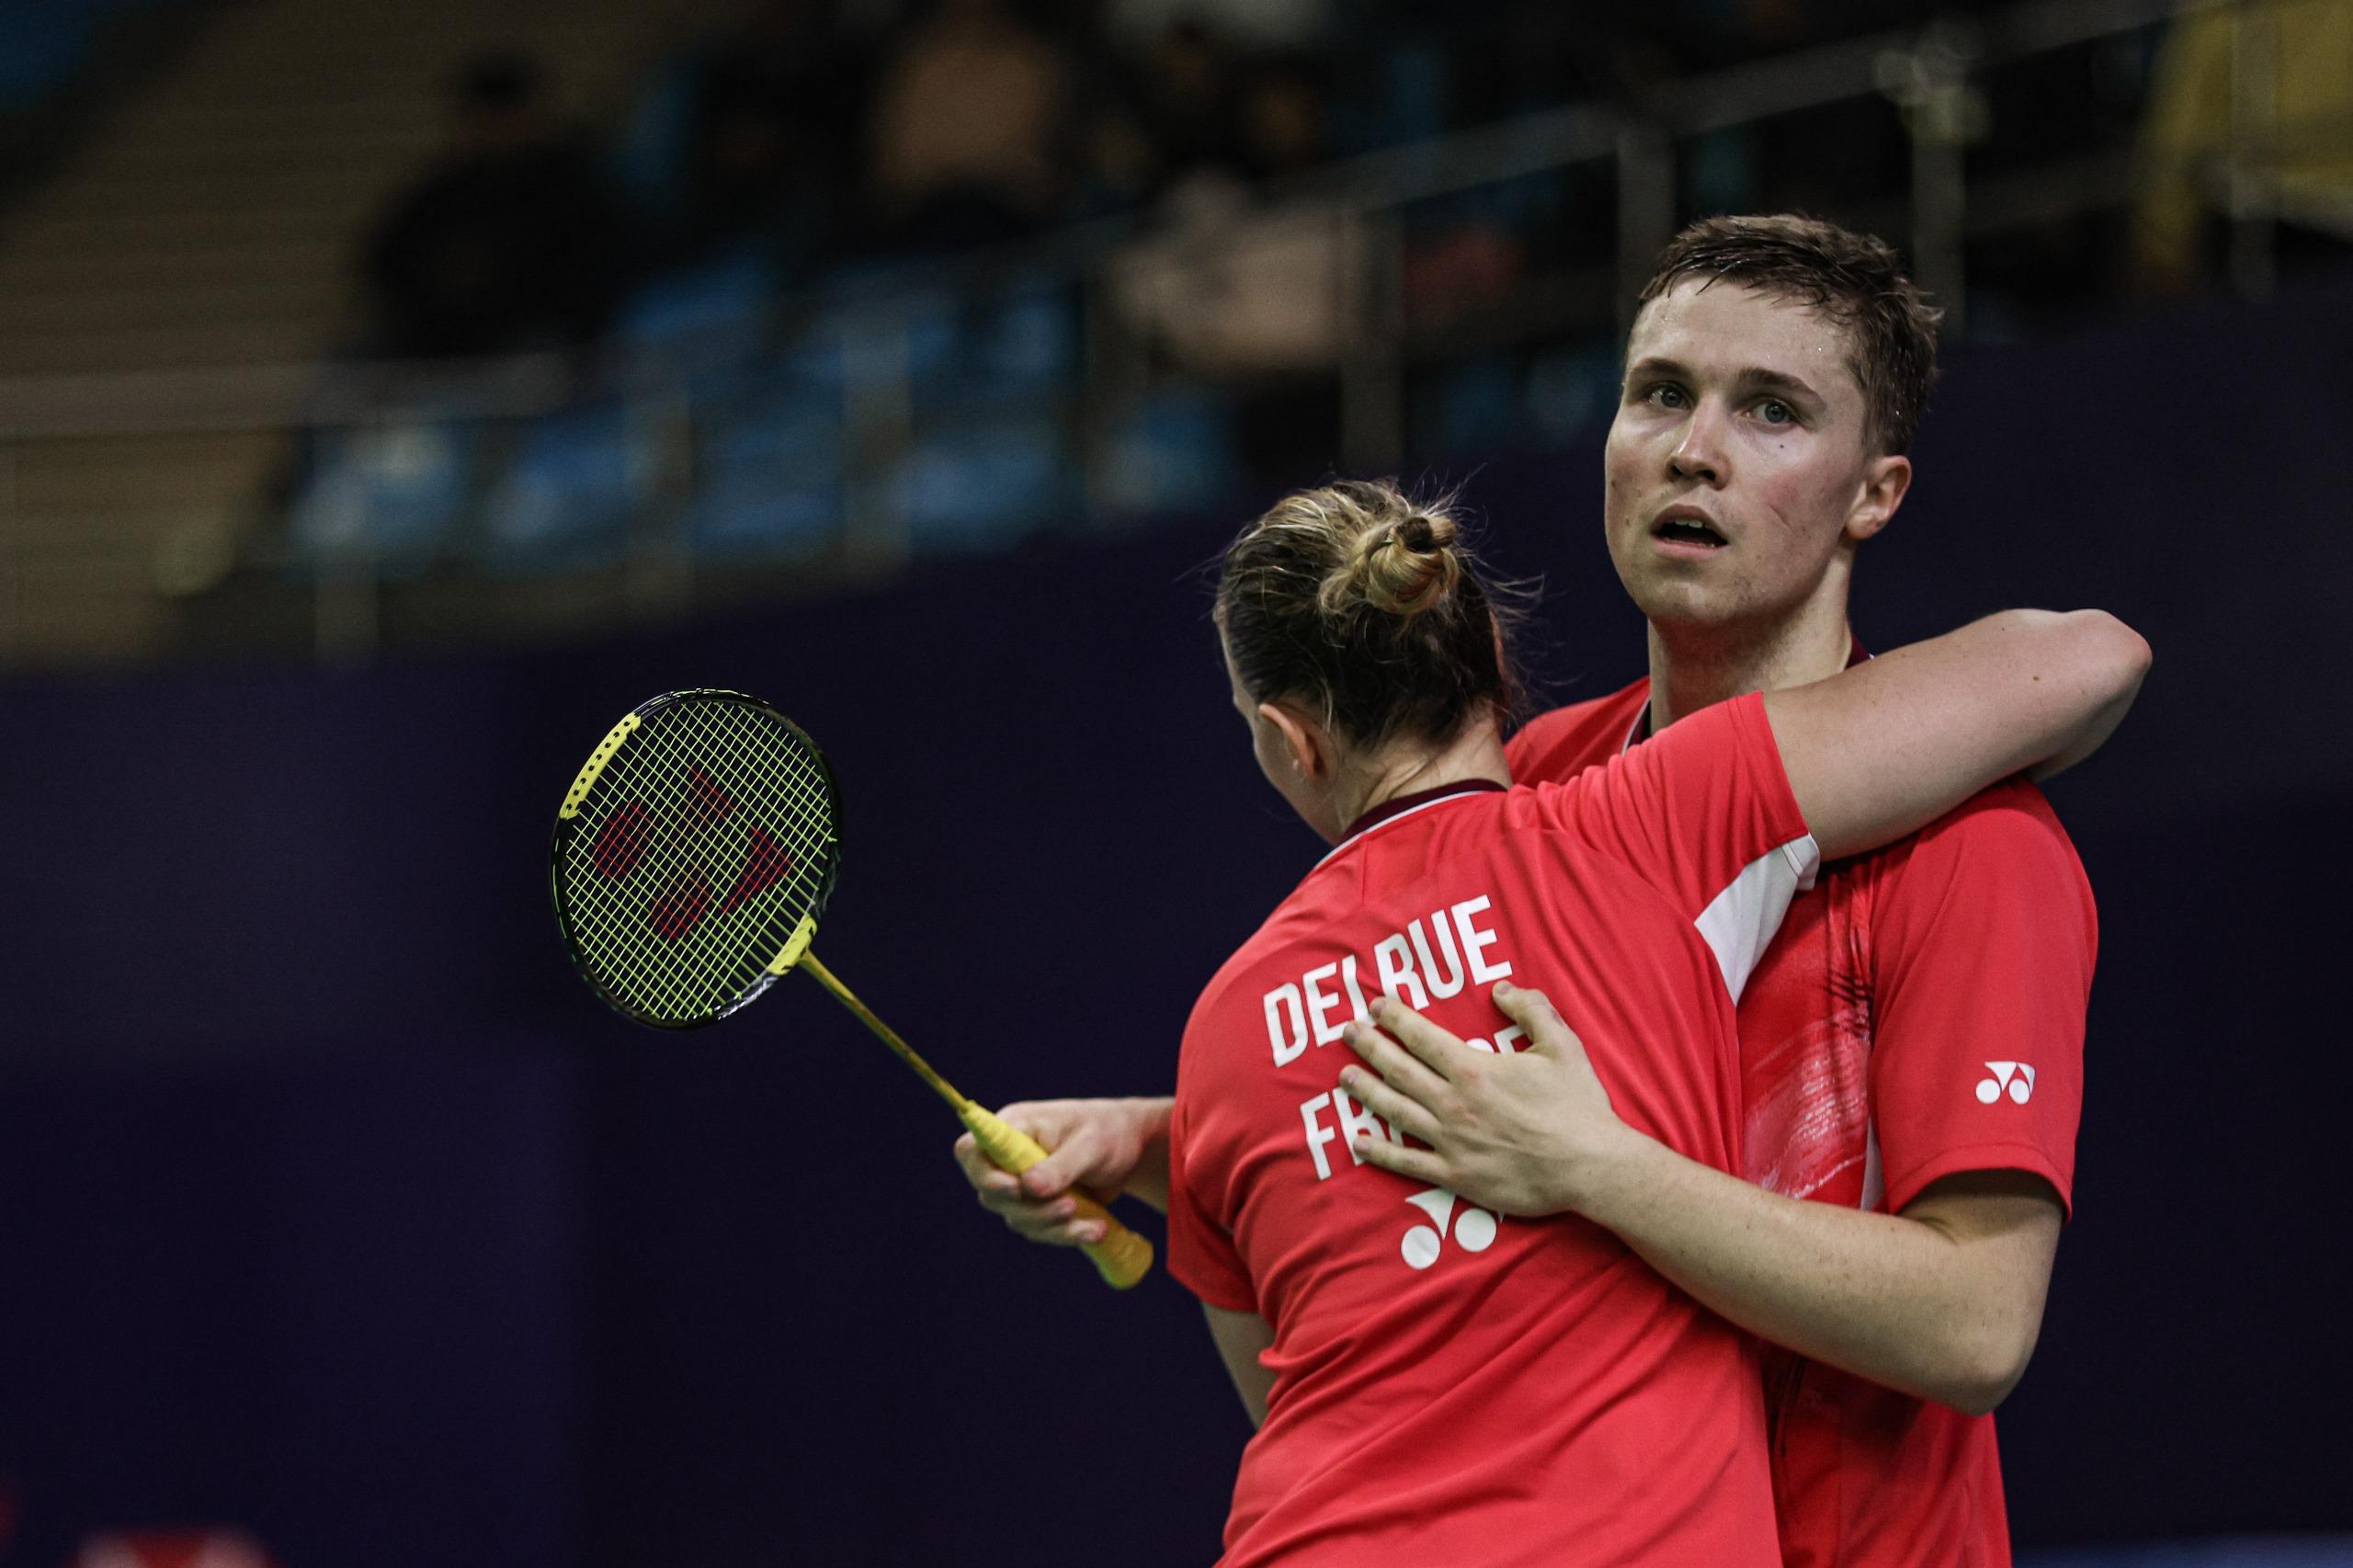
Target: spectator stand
{"points": [[797, 409]]}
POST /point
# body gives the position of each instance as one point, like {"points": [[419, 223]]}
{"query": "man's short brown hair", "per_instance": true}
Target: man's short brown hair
{"points": [[1855, 280]]}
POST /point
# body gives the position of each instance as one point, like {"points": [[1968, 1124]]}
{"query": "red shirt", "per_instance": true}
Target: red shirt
{"points": [[1921, 1013], [1451, 1387]]}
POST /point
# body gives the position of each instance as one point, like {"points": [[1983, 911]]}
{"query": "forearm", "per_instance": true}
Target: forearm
{"points": [[1242, 1339], [2092, 736], [1889, 746], [1894, 1300], [1150, 1182]]}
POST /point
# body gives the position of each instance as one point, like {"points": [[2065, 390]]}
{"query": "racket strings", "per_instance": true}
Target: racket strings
{"points": [[700, 850], [748, 760], [690, 957]]}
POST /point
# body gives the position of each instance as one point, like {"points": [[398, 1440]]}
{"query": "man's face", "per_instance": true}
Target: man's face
{"points": [[1737, 464]]}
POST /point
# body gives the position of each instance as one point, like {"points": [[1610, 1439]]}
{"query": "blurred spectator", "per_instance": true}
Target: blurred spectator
{"points": [[506, 242], [1460, 270], [1259, 297], [1224, 285], [970, 124], [2280, 117], [1192, 101], [769, 133]]}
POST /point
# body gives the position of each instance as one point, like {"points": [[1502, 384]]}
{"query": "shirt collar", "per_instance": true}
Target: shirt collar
{"points": [[1389, 811]]}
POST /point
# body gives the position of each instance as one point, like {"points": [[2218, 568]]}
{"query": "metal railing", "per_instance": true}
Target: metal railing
{"points": [[1932, 75]]}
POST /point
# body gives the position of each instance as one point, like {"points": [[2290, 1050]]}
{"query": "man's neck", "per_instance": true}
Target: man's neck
{"points": [[1693, 668]]}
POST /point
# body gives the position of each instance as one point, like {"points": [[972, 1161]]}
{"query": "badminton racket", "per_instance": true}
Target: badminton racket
{"points": [[693, 855]]}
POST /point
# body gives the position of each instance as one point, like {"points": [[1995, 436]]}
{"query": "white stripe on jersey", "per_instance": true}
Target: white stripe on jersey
{"points": [[1739, 923]]}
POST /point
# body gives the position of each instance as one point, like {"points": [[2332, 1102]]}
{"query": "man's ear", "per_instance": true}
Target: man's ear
{"points": [[1885, 481], [1304, 743]]}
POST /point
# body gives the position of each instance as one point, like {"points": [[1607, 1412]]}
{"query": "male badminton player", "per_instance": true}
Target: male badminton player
{"points": [[1436, 1383], [1776, 372]]}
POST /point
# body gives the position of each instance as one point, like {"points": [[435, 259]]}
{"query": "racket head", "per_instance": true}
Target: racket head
{"points": [[693, 855]]}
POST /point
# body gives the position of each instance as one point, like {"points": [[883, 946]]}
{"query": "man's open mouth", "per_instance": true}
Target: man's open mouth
{"points": [[1688, 530]]}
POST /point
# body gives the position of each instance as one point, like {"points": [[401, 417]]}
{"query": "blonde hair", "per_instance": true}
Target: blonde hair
{"points": [[1368, 605]]}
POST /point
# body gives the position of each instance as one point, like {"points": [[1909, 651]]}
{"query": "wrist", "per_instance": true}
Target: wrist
{"points": [[1611, 1175]]}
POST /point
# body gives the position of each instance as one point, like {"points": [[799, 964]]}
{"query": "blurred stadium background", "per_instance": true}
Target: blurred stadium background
{"points": [[392, 396]]}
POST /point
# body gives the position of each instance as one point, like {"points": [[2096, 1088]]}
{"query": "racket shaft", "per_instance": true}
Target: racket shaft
{"points": [[1122, 1257], [883, 1031]]}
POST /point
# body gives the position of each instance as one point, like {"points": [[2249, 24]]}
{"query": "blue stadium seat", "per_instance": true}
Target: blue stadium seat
{"points": [[1475, 407], [768, 475], [576, 483], [648, 153], [1173, 451], [43, 43], [918, 334], [716, 308], [388, 495], [41, 46], [982, 487], [1571, 392], [1406, 98], [1414, 97], [1021, 346]]}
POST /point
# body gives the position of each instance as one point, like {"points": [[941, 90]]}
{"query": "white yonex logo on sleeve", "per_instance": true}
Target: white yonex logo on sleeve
{"points": [[2014, 1076]]}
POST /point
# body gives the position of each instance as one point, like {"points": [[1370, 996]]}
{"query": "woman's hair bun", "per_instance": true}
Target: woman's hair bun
{"points": [[1369, 605], [1400, 566]]}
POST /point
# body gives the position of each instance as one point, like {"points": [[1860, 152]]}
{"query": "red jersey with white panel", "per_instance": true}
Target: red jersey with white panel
{"points": [[1920, 1014], [1450, 1386]]}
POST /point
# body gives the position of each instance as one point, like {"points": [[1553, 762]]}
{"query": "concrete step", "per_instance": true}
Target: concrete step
{"points": [[42, 231], [348, 189], [135, 484], [76, 625], [78, 597], [170, 307], [130, 268], [155, 349], [241, 119], [264, 152]]}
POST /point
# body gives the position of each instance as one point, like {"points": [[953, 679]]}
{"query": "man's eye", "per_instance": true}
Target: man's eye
{"points": [[1776, 412], [1666, 395]]}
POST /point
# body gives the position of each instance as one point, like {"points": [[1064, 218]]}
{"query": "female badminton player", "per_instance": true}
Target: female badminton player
{"points": [[1435, 1382]]}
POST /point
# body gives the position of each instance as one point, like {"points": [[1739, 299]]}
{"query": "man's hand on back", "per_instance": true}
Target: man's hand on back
{"points": [[1107, 1147]]}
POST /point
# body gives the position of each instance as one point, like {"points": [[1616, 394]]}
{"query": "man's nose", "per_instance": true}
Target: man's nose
{"points": [[1701, 453]]}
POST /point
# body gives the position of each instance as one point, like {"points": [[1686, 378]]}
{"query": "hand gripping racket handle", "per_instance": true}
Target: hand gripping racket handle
{"points": [[1122, 1257]]}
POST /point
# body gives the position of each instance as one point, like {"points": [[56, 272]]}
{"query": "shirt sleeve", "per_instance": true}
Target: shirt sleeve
{"points": [[1201, 1255], [1555, 747], [1984, 936], [1704, 814]]}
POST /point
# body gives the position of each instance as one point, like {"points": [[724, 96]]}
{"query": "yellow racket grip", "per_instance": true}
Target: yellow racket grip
{"points": [[1122, 1257]]}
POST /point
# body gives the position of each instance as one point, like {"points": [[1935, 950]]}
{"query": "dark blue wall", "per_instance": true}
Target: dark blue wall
{"points": [[334, 1204]]}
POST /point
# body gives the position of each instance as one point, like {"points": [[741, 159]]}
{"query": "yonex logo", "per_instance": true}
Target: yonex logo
{"points": [[1474, 1229], [622, 842], [680, 908], [2014, 1076], [765, 863]]}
